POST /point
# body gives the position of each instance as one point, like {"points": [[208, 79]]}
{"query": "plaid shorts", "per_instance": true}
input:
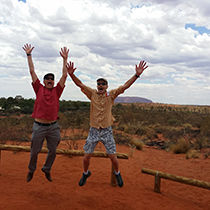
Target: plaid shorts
{"points": [[104, 135]]}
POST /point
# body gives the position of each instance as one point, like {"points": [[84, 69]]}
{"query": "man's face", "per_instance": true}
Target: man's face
{"points": [[49, 82], [101, 86]]}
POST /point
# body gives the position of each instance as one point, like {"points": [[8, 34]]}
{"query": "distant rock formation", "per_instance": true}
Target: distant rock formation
{"points": [[130, 99]]}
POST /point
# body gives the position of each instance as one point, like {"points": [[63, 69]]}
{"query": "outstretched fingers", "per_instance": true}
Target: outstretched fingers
{"points": [[70, 67], [64, 52], [142, 65], [28, 48]]}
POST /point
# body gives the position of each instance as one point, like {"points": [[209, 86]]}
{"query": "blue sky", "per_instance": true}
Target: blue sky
{"points": [[201, 29], [108, 38]]}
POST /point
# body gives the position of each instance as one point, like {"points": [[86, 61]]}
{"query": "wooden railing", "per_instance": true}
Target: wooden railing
{"points": [[17, 148], [158, 175]]}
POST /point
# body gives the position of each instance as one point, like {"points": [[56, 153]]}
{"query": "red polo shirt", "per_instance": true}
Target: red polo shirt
{"points": [[46, 105]]}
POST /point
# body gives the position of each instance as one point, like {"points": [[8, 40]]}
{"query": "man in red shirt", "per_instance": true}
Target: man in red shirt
{"points": [[45, 114]]}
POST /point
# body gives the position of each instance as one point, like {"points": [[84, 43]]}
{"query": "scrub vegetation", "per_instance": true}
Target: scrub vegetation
{"points": [[176, 128]]}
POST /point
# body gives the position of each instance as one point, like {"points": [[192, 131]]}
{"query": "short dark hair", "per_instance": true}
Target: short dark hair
{"points": [[49, 74], [102, 79]]}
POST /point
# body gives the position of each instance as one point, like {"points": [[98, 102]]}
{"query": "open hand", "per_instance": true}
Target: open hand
{"points": [[64, 52], [70, 67], [28, 48], [141, 67]]}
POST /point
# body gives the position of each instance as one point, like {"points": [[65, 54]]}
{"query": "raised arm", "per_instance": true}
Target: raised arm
{"points": [[28, 49], [139, 70], [70, 70], [64, 54]]}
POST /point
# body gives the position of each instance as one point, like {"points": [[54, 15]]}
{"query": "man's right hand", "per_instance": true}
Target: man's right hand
{"points": [[28, 48]]}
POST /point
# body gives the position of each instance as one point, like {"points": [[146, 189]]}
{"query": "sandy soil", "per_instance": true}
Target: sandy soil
{"points": [[137, 192]]}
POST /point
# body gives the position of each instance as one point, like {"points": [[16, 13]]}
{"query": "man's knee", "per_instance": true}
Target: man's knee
{"points": [[52, 152], [35, 151], [112, 157], [87, 157]]}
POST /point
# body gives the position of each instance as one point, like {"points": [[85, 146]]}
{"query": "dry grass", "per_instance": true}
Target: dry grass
{"points": [[182, 146], [72, 145], [192, 154], [135, 143]]}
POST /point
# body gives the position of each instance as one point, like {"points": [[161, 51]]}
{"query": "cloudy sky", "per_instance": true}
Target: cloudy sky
{"points": [[107, 38]]}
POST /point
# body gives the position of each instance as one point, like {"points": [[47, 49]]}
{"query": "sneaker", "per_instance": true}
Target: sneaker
{"points": [[84, 178], [119, 180], [29, 176], [47, 175]]}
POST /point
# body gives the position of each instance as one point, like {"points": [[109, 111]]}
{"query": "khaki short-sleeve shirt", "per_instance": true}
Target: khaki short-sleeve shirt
{"points": [[101, 106]]}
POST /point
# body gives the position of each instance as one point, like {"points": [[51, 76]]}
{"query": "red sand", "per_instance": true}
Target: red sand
{"points": [[137, 192]]}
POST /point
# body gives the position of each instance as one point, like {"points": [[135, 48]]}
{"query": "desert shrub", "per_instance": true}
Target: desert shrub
{"points": [[182, 146], [130, 128], [172, 133], [16, 129], [192, 154], [144, 120], [121, 138], [173, 121], [201, 142], [205, 127], [143, 138], [150, 133], [137, 143], [158, 128], [72, 145], [187, 126], [74, 119], [141, 131], [79, 136]]}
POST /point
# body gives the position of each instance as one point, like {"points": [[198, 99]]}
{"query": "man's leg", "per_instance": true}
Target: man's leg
{"points": [[109, 143], [114, 161], [36, 146], [86, 162], [53, 139], [116, 169], [86, 173], [89, 147]]}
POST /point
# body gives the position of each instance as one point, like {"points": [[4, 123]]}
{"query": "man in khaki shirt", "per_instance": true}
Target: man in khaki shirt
{"points": [[101, 118]]}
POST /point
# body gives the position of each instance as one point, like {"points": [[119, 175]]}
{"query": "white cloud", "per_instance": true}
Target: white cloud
{"points": [[107, 38]]}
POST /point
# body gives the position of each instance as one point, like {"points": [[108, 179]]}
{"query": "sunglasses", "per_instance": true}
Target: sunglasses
{"points": [[49, 78], [101, 83]]}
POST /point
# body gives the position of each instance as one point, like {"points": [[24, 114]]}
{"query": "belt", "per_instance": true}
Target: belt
{"points": [[45, 124]]}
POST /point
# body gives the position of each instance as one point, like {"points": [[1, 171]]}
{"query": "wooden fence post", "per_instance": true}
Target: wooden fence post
{"points": [[181, 179], [157, 183]]}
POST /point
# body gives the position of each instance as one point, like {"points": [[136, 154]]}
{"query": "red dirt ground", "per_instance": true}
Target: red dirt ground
{"points": [[137, 193]]}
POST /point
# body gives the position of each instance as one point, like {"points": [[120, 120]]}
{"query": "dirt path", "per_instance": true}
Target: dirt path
{"points": [[64, 193]]}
